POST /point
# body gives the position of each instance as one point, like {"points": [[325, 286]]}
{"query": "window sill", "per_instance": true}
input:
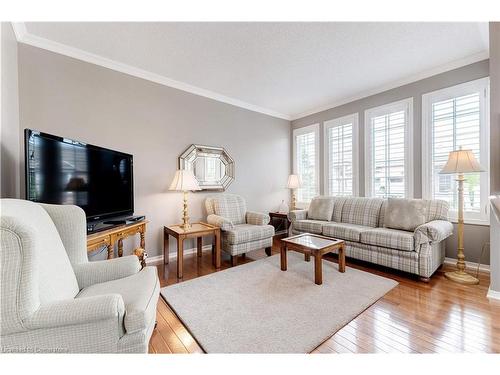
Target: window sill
{"points": [[485, 223]]}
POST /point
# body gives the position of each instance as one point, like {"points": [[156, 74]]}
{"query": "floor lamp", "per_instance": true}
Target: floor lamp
{"points": [[460, 162]]}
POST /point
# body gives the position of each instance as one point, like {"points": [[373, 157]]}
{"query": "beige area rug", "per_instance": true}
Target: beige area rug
{"points": [[257, 308]]}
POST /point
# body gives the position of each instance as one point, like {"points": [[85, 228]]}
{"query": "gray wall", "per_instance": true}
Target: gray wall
{"points": [[495, 144], [71, 98], [475, 235], [9, 139]]}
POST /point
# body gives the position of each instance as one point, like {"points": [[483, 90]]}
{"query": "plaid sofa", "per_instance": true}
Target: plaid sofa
{"points": [[360, 223]]}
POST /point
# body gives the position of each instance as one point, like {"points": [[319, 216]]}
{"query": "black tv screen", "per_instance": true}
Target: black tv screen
{"points": [[65, 171]]}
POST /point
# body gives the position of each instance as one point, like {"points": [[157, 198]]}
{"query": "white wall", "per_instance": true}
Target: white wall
{"points": [[68, 97], [9, 133]]}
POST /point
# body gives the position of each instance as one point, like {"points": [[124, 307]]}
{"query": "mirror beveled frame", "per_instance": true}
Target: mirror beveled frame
{"points": [[188, 158]]}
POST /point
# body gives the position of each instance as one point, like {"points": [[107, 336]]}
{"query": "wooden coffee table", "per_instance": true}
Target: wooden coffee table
{"points": [[315, 245]]}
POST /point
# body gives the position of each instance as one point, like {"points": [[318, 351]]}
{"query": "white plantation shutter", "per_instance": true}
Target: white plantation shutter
{"points": [[306, 165], [341, 156], [388, 140], [456, 117]]}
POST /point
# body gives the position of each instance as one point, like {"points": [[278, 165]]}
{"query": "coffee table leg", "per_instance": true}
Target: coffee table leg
{"points": [[318, 269], [180, 257], [283, 257], [342, 258]]}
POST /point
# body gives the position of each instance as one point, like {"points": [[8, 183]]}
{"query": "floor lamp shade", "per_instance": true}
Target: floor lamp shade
{"points": [[184, 181], [460, 162]]}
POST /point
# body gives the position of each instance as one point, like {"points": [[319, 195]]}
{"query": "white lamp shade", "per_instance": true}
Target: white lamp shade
{"points": [[184, 180], [294, 182], [461, 161]]}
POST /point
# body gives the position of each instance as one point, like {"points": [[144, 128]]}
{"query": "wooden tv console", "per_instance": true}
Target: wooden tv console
{"points": [[110, 237]]}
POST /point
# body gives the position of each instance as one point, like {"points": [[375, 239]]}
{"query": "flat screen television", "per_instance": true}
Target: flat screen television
{"points": [[64, 171]]}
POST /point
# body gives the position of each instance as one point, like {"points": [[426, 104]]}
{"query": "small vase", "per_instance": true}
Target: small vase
{"points": [[283, 208]]}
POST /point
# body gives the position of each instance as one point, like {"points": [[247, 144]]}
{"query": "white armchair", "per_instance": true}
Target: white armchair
{"points": [[55, 300], [242, 230]]}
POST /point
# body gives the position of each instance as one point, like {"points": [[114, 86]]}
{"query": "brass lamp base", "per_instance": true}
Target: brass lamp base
{"points": [[461, 277]]}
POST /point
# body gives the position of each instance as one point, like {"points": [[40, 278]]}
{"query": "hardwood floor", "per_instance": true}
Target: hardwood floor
{"points": [[414, 317]]}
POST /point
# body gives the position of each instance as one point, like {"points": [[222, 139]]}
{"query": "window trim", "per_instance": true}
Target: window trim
{"points": [[481, 218], [406, 105], [314, 128], [354, 119]]}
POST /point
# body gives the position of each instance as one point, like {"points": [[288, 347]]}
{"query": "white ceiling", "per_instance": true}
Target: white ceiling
{"points": [[283, 69]]}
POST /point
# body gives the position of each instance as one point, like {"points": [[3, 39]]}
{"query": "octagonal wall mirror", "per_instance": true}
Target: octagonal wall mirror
{"points": [[212, 166]]}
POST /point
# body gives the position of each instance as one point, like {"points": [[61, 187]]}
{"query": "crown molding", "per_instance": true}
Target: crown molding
{"points": [[23, 36], [398, 83]]}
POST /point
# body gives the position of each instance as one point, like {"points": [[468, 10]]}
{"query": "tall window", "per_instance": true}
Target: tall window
{"points": [[388, 157], [456, 117], [341, 162], [306, 161]]}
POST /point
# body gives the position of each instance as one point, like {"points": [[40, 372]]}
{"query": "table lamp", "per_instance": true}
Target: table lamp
{"points": [[184, 181], [460, 162], [293, 183]]}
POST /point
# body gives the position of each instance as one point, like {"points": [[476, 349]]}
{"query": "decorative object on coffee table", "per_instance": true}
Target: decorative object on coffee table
{"points": [[294, 182], [198, 231], [280, 223], [184, 181], [460, 162], [315, 245]]}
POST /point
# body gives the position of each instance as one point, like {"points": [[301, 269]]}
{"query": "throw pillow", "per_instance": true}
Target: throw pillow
{"points": [[405, 214], [321, 208]]}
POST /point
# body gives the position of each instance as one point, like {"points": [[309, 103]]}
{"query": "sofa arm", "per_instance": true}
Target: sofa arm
{"points": [[297, 215], [257, 218], [219, 221], [433, 231], [77, 311], [91, 273]]}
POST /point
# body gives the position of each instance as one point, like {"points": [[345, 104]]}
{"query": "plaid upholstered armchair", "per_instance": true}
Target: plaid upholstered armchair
{"points": [[242, 230], [55, 300]]}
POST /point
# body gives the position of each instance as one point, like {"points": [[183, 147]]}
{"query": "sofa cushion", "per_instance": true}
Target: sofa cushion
{"points": [[338, 204], [321, 208], [389, 238], [405, 214], [247, 232], [140, 294], [437, 210], [344, 231], [311, 226], [362, 211]]}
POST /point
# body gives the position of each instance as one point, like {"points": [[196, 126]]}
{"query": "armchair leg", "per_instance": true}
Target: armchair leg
{"points": [[268, 251], [234, 260], [424, 279]]}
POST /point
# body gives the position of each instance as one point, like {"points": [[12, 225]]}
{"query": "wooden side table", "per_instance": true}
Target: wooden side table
{"points": [[198, 231], [280, 222], [116, 234]]}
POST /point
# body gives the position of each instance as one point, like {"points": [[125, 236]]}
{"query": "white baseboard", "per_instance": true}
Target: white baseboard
{"points": [[493, 294], [470, 265], [173, 255]]}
